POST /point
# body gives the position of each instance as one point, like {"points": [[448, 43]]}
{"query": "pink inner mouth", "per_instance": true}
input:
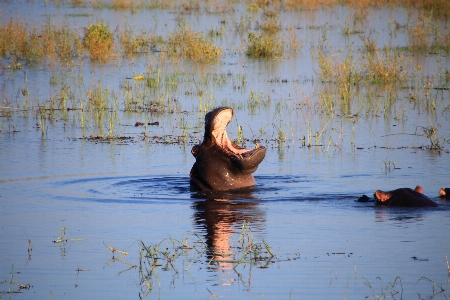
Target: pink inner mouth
{"points": [[220, 134]]}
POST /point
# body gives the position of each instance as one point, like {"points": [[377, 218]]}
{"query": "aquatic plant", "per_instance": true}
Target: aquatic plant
{"points": [[389, 288], [186, 43], [431, 134], [427, 35], [390, 66], [264, 45], [271, 24], [244, 23], [18, 41], [14, 282], [99, 41], [342, 72], [134, 43]]}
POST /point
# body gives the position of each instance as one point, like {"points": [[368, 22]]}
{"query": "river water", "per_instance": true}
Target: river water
{"points": [[63, 182]]}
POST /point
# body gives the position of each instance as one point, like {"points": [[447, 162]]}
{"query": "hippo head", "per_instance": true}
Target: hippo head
{"points": [[221, 164]]}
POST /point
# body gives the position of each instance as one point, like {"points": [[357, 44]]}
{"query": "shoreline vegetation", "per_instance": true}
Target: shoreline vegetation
{"points": [[357, 83]]}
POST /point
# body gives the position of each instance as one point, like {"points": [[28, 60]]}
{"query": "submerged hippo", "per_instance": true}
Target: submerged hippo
{"points": [[444, 193], [221, 164], [404, 197]]}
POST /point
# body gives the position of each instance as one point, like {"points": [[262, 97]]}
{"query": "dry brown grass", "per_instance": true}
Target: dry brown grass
{"points": [[99, 41], [17, 41], [438, 7], [60, 42], [427, 35], [55, 43], [388, 66]]}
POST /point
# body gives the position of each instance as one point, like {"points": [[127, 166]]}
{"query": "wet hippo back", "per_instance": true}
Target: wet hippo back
{"points": [[405, 197]]}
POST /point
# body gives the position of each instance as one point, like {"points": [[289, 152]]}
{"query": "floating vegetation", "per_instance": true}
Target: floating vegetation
{"points": [[62, 237], [15, 286], [119, 257]]}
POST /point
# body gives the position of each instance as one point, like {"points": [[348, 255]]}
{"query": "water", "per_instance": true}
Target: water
{"points": [[124, 192]]}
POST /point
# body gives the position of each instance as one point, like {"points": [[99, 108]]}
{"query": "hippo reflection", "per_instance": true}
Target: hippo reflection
{"points": [[221, 164], [222, 219]]}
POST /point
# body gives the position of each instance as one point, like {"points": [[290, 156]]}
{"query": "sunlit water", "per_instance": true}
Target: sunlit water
{"points": [[122, 193]]}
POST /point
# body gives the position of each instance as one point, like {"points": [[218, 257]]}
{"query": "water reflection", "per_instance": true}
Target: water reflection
{"points": [[221, 220], [400, 217]]}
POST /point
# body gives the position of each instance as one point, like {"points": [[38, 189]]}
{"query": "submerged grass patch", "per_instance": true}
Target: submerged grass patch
{"points": [[264, 45], [99, 41], [186, 43], [18, 41], [389, 66]]}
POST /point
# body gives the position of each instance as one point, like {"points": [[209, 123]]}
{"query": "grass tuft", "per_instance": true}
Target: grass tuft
{"points": [[186, 43], [264, 45], [99, 41]]}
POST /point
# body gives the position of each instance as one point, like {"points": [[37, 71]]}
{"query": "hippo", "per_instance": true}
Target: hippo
{"points": [[220, 164], [404, 197], [444, 193]]}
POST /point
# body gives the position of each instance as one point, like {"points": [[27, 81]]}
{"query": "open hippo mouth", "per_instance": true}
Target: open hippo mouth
{"points": [[219, 133], [220, 163]]}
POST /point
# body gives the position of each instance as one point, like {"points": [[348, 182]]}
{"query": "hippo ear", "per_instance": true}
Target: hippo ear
{"points": [[195, 150]]}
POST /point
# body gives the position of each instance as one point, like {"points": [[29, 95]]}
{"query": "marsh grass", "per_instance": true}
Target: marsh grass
{"points": [[264, 45], [370, 44], [61, 42], [18, 41], [341, 72], [389, 66], [158, 91], [99, 41], [439, 7], [133, 43], [271, 23], [56, 43], [244, 23], [186, 43], [427, 35]]}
